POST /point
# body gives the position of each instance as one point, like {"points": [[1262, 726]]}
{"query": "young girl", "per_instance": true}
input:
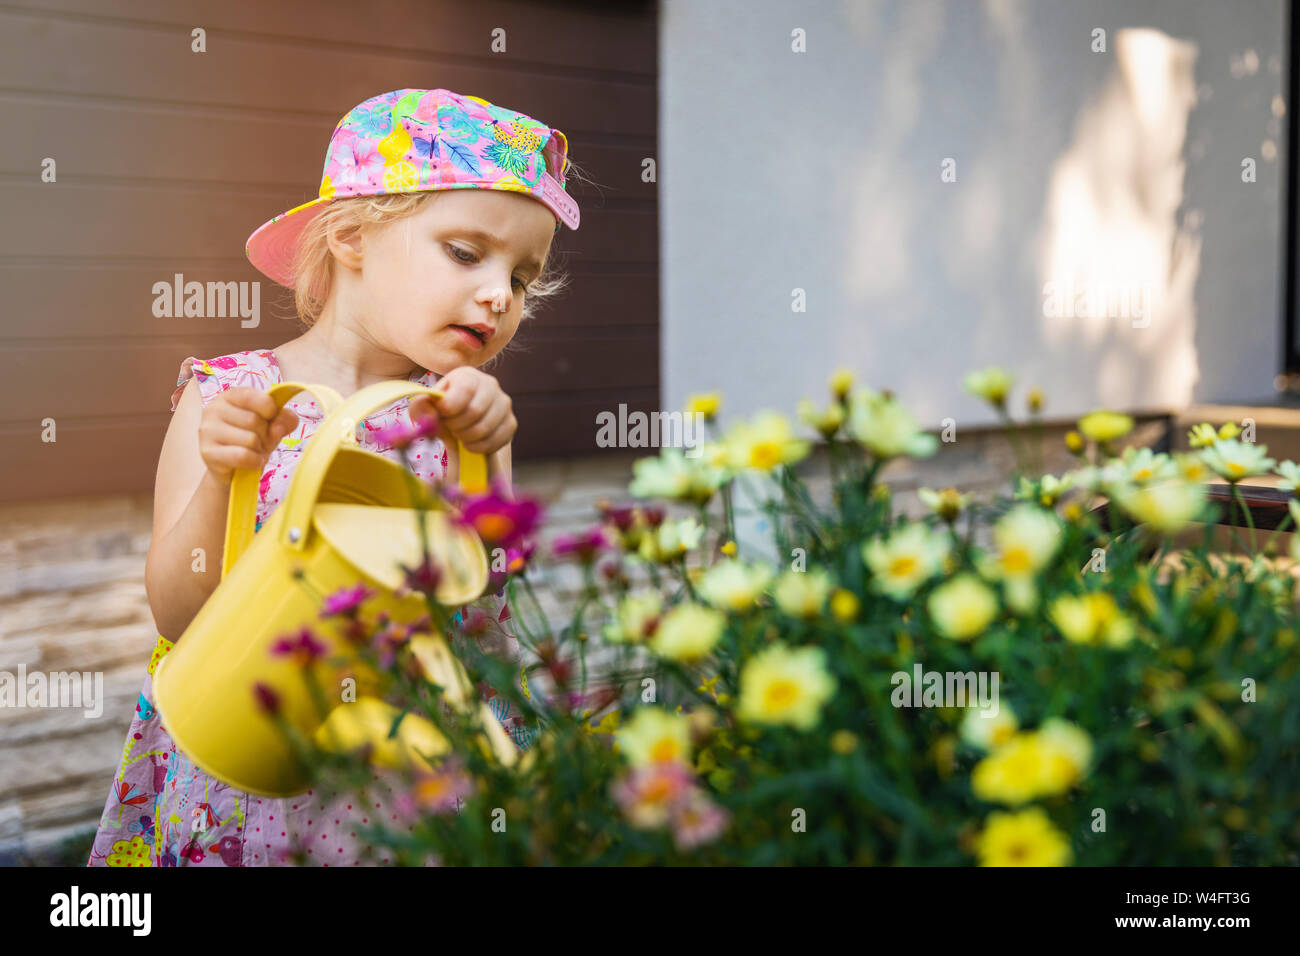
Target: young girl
{"points": [[428, 245]]}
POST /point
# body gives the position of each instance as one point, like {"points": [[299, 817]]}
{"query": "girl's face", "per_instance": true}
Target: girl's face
{"points": [[460, 263]]}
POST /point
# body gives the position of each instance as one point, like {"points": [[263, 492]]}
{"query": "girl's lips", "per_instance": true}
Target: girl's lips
{"points": [[469, 337]]}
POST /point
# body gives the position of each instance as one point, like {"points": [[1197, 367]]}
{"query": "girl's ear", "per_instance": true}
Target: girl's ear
{"points": [[345, 246]]}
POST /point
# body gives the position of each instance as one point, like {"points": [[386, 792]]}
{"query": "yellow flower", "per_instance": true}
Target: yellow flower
{"points": [[906, 561], [1236, 460], [844, 741], [844, 605], [1026, 537], [655, 736], [989, 733], [706, 404], [636, 617], [802, 593], [671, 540], [841, 382], [886, 429], [764, 444], [1202, 435], [1034, 400], [1229, 430], [1026, 838], [947, 504], [1168, 506], [826, 422], [729, 549], [1074, 441], [688, 632], [1103, 426], [990, 384], [1033, 764], [133, 852], [1093, 619], [733, 585], [963, 607], [779, 685]]}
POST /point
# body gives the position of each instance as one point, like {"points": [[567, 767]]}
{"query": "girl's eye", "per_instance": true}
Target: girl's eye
{"points": [[458, 254]]}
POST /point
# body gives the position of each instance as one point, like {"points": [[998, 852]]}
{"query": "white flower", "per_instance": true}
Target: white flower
{"points": [[1235, 460]]}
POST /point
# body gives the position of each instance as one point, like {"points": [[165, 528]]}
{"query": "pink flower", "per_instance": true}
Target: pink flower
{"points": [[424, 577], [400, 435], [304, 646], [585, 544], [443, 789], [649, 795], [346, 600], [697, 820]]}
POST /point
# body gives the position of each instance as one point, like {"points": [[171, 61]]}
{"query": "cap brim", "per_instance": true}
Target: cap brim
{"points": [[272, 246]]}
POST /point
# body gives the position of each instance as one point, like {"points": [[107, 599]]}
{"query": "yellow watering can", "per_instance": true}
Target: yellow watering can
{"points": [[349, 517]]}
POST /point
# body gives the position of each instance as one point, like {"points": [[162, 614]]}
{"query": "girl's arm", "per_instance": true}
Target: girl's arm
{"points": [[189, 512]]}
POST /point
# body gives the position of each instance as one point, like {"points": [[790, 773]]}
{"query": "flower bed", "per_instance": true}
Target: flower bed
{"points": [[893, 692]]}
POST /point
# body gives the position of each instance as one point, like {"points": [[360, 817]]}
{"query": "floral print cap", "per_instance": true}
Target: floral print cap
{"points": [[411, 141]]}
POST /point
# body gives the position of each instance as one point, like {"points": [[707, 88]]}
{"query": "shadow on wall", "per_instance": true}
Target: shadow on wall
{"points": [[1119, 271]]}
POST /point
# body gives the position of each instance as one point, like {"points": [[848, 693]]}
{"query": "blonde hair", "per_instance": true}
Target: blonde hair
{"points": [[313, 266]]}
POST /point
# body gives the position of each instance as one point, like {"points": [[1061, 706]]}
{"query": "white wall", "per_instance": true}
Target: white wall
{"points": [[821, 171]]}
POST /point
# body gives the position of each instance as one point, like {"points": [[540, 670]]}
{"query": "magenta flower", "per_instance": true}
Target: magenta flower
{"points": [[585, 544], [623, 516], [267, 699], [346, 600], [401, 434], [388, 642], [498, 520], [516, 560], [424, 577], [303, 646]]}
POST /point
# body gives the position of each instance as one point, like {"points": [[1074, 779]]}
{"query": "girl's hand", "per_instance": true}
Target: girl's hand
{"points": [[239, 429], [473, 409]]}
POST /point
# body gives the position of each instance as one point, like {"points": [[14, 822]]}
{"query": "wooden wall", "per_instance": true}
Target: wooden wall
{"points": [[167, 159]]}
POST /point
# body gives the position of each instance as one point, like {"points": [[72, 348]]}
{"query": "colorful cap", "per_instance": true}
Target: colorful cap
{"points": [[410, 141]]}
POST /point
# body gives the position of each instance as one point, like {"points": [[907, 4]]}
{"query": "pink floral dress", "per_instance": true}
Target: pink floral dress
{"points": [[161, 809]]}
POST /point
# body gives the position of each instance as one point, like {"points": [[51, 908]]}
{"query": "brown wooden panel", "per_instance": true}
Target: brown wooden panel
{"points": [[626, 29], [88, 457], [74, 219], [139, 141], [169, 159], [124, 59], [566, 424], [114, 302]]}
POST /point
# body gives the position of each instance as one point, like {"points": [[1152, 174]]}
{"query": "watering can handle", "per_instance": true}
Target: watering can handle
{"points": [[241, 514], [335, 431]]}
